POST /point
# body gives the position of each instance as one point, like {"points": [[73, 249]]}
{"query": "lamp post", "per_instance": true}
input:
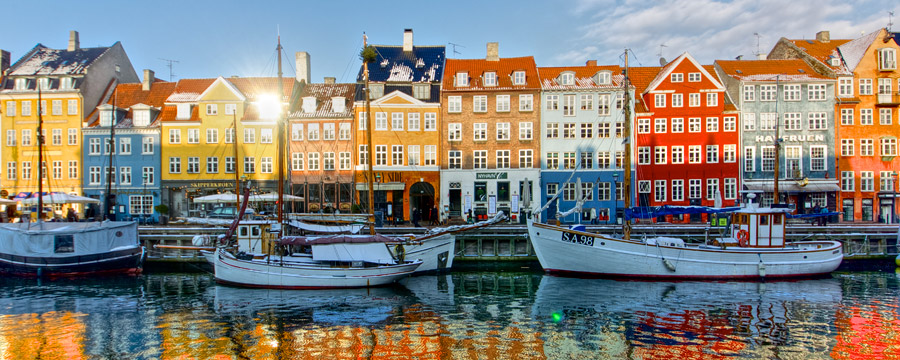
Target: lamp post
{"points": [[145, 212], [615, 196], [894, 197]]}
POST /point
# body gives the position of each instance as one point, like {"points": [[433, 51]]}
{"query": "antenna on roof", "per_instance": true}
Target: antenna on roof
{"points": [[454, 48], [757, 43], [890, 20], [660, 54], [170, 64]]}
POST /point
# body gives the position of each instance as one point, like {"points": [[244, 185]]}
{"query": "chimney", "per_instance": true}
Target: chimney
{"points": [[407, 40], [4, 62], [823, 36], [148, 80], [760, 56], [73, 41], [493, 51], [330, 79], [302, 66], [591, 63]]}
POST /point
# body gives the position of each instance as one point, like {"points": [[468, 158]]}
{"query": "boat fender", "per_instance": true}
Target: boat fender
{"points": [[669, 265], [761, 267], [400, 251], [743, 238]]}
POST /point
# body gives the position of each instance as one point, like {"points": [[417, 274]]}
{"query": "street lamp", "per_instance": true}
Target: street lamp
{"points": [[894, 197], [615, 196], [144, 210]]}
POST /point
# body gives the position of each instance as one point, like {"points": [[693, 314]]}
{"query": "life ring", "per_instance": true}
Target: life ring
{"points": [[400, 252], [743, 238]]}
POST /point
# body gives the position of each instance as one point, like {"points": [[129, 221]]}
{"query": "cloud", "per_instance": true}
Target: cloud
{"points": [[709, 29]]}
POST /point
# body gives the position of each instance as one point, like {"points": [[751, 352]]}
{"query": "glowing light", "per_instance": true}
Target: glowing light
{"points": [[556, 316], [269, 107]]}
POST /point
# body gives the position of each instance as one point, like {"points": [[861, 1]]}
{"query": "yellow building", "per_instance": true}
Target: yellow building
{"points": [[215, 131], [64, 86]]}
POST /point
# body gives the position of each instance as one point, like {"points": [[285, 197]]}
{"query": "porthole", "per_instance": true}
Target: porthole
{"points": [[118, 234], [602, 243]]}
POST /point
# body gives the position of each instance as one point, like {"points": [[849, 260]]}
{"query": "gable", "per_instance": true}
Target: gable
{"points": [[684, 64], [397, 98], [221, 90]]}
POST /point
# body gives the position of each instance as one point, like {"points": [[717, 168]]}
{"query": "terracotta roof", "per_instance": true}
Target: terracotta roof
{"points": [[770, 70], [124, 96], [324, 94], [822, 51], [641, 77], [583, 77], [188, 90], [504, 69]]}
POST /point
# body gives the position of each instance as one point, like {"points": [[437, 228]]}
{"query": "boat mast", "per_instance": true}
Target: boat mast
{"points": [[775, 198], [369, 172], [237, 174], [40, 141], [280, 148], [109, 201], [627, 158]]}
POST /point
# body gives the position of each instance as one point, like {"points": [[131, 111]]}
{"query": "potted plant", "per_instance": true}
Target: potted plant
{"points": [[163, 211]]}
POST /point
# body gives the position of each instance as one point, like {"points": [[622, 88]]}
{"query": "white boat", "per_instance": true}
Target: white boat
{"points": [[315, 263]]}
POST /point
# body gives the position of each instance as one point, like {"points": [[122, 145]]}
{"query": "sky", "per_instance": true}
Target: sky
{"points": [[232, 38]]}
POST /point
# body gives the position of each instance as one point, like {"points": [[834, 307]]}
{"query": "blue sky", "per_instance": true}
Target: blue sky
{"points": [[212, 38]]}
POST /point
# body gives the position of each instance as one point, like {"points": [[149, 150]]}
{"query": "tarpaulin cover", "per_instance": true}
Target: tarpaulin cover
{"points": [[40, 239], [336, 239], [370, 252], [648, 212]]}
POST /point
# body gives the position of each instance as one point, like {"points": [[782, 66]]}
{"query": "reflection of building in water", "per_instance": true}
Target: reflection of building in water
{"points": [[866, 332], [51, 335]]}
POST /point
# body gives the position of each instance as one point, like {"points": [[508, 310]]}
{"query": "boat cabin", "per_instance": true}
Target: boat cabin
{"points": [[757, 227], [254, 237]]}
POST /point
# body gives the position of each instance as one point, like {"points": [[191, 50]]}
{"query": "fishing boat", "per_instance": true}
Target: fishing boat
{"points": [[754, 247]]}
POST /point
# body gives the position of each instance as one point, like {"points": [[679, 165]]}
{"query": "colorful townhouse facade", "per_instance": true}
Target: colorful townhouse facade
{"points": [[789, 95], [134, 110], [582, 125], [59, 87], [491, 112], [321, 147], [685, 137], [217, 132], [404, 110], [866, 103]]}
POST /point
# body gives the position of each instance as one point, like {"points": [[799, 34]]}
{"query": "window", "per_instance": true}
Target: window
{"points": [[694, 152], [312, 158], [518, 78], [569, 105], [414, 155], [887, 182], [479, 103], [569, 160], [767, 121], [26, 108], [124, 174], [502, 159], [587, 130], [712, 188], [454, 158], [174, 165], [57, 170], [603, 105], [344, 131], [887, 59], [750, 159], [847, 181], [480, 159], [552, 102], [94, 175], [884, 116], [866, 147], [525, 130], [380, 121], [643, 126], [603, 191], [454, 132], [569, 192], [462, 79], [865, 86], [729, 153], [11, 170], [603, 130], [422, 91], [712, 99], [362, 120], [212, 165], [26, 171], [659, 126], [586, 101], [490, 78], [817, 158], [479, 131], [430, 123], [265, 136], [56, 107], [749, 93], [677, 125], [694, 100], [712, 154], [229, 136], [212, 136], [866, 181], [569, 131], [503, 131], [816, 92], [396, 121], [297, 161], [363, 155], [93, 145], [677, 100], [230, 109], [567, 78], [677, 190], [397, 155], [620, 129], [846, 116], [147, 145], [587, 160], [889, 147], [767, 92], [56, 136], [380, 155], [847, 147], [553, 160], [413, 122], [678, 154], [526, 159], [676, 77], [10, 138], [430, 155], [730, 188], [140, 204], [125, 146], [866, 117], [729, 124], [694, 125], [644, 186], [327, 163], [792, 92], [694, 77], [817, 120], [644, 155], [26, 139], [603, 160], [250, 135], [193, 136], [193, 165], [792, 121], [526, 102], [659, 100], [712, 124], [344, 160], [660, 155], [792, 155], [749, 120], [230, 165], [659, 190], [10, 108], [174, 136], [212, 109]]}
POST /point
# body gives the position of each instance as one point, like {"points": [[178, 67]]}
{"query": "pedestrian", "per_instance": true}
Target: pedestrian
{"points": [[434, 216], [70, 215], [415, 217], [823, 220]]}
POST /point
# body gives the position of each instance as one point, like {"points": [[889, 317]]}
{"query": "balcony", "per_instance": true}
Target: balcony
{"points": [[891, 99]]}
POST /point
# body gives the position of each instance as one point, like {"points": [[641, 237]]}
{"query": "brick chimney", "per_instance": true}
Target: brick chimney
{"points": [[591, 63], [148, 80], [303, 71], [493, 51], [823, 36], [407, 40], [330, 79], [73, 41]]}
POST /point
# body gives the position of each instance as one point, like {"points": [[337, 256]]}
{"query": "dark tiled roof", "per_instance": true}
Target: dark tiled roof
{"points": [[42, 60], [422, 64]]}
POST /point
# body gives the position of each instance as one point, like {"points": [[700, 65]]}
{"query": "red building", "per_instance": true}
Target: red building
{"points": [[685, 137]]}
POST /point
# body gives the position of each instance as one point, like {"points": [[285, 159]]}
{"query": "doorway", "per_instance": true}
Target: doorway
{"points": [[421, 197], [455, 203]]}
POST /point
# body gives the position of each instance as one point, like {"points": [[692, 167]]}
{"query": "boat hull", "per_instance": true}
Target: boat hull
{"points": [[259, 274], [576, 253], [122, 261], [436, 252]]}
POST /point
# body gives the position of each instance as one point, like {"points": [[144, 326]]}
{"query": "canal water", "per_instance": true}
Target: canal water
{"points": [[498, 314]]}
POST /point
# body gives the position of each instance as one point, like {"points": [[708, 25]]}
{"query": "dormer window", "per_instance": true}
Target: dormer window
{"points": [[603, 78], [518, 78], [462, 79], [309, 104], [567, 78], [44, 83], [676, 77], [21, 83], [66, 83], [385, 63], [338, 104], [887, 59], [420, 63], [183, 111], [106, 117], [490, 78], [142, 117], [834, 61], [422, 91], [376, 91]]}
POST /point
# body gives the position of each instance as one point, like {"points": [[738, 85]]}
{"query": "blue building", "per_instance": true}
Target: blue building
{"points": [[582, 130], [135, 157]]}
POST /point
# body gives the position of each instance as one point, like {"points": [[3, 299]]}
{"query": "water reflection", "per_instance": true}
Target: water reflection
{"points": [[466, 315]]}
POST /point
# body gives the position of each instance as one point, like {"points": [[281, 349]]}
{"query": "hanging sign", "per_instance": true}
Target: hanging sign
{"points": [[492, 204]]}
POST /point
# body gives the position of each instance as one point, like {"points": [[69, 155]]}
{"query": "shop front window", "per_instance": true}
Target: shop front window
{"points": [[848, 209], [866, 210], [481, 191], [503, 191]]}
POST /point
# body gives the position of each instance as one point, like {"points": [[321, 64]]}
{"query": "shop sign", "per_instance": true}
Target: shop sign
{"points": [[455, 185], [791, 138], [491, 176], [384, 176], [211, 184]]}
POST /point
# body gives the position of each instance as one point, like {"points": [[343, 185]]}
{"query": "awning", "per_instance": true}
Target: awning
{"points": [[382, 186], [789, 186]]}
